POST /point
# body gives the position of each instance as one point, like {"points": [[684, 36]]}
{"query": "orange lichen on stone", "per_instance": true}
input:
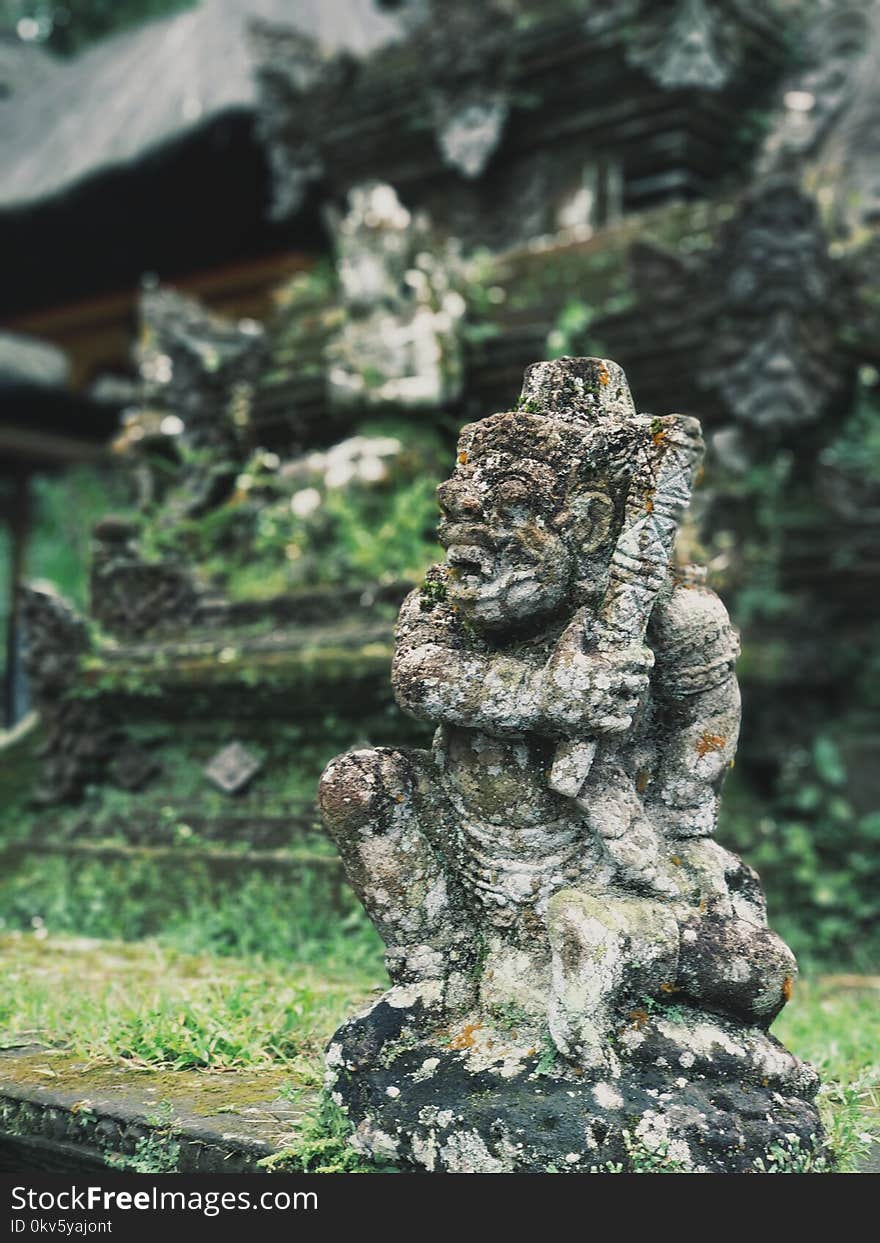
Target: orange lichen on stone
{"points": [[462, 458], [465, 1038], [659, 437], [604, 377], [639, 1018], [788, 988], [666, 987], [676, 860], [710, 742]]}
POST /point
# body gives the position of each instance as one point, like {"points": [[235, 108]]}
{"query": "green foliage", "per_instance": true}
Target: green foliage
{"points": [[63, 509], [548, 1056], [278, 533], [856, 449], [764, 495], [657, 1160], [790, 1158], [569, 332], [818, 857], [185, 904], [321, 1145], [851, 1116], [394, 543], [155, 1153], [509, 1016], [805, 826]]}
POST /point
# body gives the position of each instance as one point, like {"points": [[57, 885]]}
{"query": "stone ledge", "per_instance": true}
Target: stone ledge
{"points": [[62, 1115]]}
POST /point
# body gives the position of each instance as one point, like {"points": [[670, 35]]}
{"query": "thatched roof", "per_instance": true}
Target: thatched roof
{"points": [[22, 64], [141, 89], [28, 363]]}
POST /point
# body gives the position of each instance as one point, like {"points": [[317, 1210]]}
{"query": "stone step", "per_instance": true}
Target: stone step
{"points": [[272, 860], [62, 1115]]}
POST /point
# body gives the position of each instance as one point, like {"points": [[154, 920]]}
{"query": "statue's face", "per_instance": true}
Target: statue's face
{"points": [[509, 562]]}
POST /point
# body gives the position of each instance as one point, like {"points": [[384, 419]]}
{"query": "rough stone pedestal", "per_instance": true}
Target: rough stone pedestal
{"points": [[690, 1093]]}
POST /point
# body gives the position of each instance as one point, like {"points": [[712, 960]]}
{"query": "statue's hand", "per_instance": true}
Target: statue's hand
{"points": [[596, 692]]}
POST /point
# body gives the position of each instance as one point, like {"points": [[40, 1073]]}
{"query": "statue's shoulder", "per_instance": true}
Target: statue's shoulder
{"points": [[691, 634]]}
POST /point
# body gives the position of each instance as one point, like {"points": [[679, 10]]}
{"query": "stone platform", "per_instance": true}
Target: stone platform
{"points": [[59, 1115]]}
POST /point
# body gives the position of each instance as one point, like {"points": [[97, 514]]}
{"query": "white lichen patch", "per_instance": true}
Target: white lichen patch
{"points": [[374, 1142], [465, 1152], [652, 1130], [702, 1038], [426, 1070], [404, 996], [424, 1149], [607, 1096]]}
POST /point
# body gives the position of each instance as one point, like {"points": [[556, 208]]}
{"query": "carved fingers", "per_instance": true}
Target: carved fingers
{"points": [[598, 692]]}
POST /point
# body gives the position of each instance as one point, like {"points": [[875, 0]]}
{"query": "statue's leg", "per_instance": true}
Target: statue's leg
{"points": [[735, 966], [606, 950], [615, 812], [375, 806]]}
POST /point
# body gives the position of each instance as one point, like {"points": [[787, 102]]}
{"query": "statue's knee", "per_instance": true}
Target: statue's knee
{"points": [[359, 791], [778, 971], [745, 968], [347, 791], [580, 930]]}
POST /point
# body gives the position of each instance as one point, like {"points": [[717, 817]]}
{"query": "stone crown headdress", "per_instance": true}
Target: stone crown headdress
{"points": [[575, 421]]}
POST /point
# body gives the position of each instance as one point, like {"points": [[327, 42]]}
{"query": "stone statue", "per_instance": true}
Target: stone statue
{"points": [[581, 977], [398, 342]]}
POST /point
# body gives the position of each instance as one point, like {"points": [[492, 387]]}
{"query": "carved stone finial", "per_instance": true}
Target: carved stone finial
{"points": [[578, 387], [580, 976]]}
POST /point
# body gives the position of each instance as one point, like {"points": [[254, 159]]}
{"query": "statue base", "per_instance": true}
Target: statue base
{"points": [[683, 1091]]}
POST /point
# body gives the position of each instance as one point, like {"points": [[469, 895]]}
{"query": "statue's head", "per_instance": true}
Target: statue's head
{"points": [[532, 510]]}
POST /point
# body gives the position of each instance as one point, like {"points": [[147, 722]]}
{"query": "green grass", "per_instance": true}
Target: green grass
{"points": [[149, 1004], [835, 1024], [304, 917]]}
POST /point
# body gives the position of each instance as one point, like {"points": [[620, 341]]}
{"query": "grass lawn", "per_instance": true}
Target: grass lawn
{"points": [[148, 1004]]}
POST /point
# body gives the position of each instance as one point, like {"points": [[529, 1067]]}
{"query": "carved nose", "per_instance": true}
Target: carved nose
{"points": [[458, 502]]}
